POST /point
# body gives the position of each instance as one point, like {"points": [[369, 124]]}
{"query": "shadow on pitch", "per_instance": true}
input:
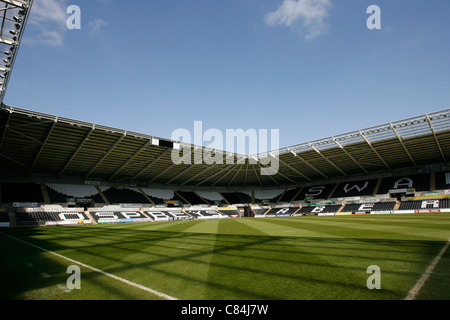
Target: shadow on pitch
{"points": [[191, 265]]}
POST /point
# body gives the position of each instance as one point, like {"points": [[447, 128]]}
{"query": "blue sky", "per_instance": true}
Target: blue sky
{"points": [[310, 68]]}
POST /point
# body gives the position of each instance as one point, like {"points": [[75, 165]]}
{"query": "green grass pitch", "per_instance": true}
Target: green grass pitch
{"points": [[289, 258]]}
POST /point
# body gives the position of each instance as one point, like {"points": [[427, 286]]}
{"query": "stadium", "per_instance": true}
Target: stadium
{"points": [[139, 226]]}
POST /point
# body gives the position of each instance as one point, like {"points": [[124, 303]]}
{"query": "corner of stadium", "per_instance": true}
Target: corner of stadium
{"points": [[58, 173]]}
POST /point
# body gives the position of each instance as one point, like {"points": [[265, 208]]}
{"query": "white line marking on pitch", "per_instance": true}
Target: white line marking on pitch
{"points": [[63, 288], [415, 291], [136, 285]]}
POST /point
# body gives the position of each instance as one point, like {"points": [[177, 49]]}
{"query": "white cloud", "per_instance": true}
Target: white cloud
{"points": [[411, 42], [96, 25], [47, 22], [307, 15]]}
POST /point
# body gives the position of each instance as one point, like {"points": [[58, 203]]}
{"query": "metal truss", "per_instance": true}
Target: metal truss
{"points": [[14, 16]]}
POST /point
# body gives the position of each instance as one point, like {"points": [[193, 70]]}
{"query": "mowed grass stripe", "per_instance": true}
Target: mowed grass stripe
{"points": [[113, 244], [171, 257], [47, 287], [280, 266], [321, 256], [270, 258], [335, 268], [181, 263], [391, 254], [371, 226]]}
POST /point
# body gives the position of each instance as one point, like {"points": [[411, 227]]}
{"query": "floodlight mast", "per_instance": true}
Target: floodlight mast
{"points": [[13, 18]]}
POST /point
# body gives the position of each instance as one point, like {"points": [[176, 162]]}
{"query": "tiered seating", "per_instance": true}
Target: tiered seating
{"points": [[355, 189], [178, 215], [189, 197], [158, 215], [4, 219], [319, 210], [125, 195], [50, 216], [315, 192], [211, 196], [59, 193], [420, 182], [368, 207], [288, 196], [167, 214], [21, 192], [205, 213], [158, 196], [237, 197], [267, 195], [259, 211], [117, 215], [442, 181], [282, 212], [205, 201], [425, 204], [229, 212]]}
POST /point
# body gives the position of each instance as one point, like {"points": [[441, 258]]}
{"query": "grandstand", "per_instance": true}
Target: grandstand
{"points": [[48, 160], [49, 203], [58, 172], [51, 160]]}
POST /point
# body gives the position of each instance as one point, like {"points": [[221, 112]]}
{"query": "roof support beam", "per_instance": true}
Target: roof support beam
{"points": [[226, 167], [24, 135], [131, 159], [257, 175], [194, 176], [293, 169], [17, 3], [403, 145], [25, 6], [13, 160], [310, 165], [223, 176], [273, 179], [162, 172], [43, 144], [150, 164], [280, 174], [286, 177], [326, 159], [106, 154], [235, 175], [181, 173], [435, 138], [349, 155], [6, 129], [374, 150], [86, 138]]}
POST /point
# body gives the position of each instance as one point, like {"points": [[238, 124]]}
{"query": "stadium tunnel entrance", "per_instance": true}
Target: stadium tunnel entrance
{"points": [[246, 211], [81, 203], [399, 193]]}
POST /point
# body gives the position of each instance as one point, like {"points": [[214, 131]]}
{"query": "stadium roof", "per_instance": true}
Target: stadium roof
{"points": [[13, 18], [51, 148], [34, 145]]}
